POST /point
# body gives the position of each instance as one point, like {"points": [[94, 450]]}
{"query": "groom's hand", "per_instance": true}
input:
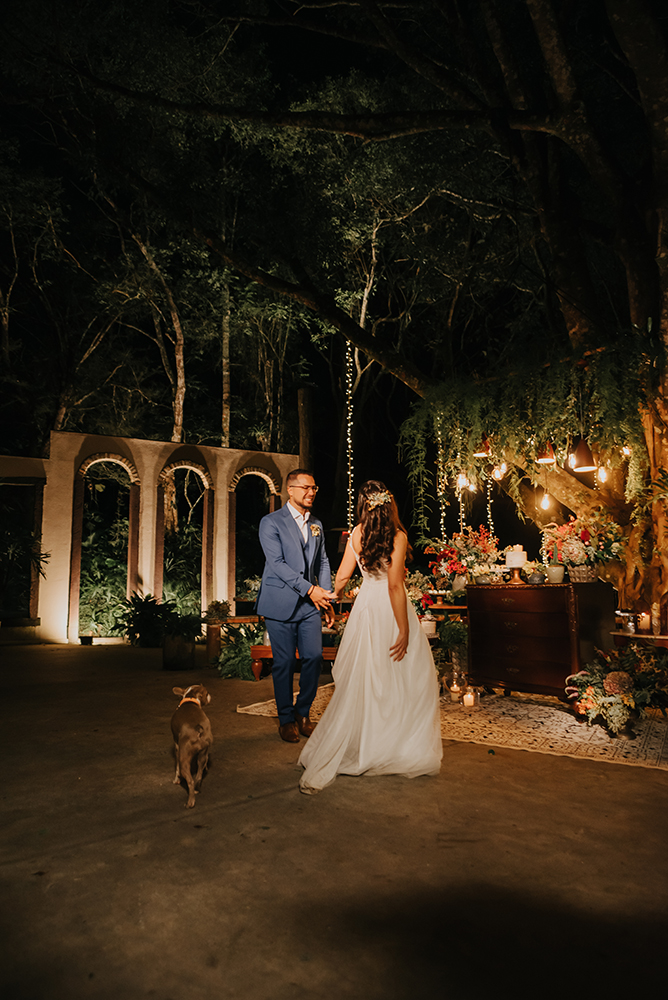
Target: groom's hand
{"points": [[320, 597]]}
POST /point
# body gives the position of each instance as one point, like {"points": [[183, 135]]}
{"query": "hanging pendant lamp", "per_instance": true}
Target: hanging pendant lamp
{"points": [[583, 460], [483, 450], [546, 456]]}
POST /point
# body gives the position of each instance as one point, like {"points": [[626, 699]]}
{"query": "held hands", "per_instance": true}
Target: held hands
{"points": [[320, 597], [399, 647]]}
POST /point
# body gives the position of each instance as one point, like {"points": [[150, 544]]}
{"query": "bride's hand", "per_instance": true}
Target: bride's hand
{"points": [[398, 648]]}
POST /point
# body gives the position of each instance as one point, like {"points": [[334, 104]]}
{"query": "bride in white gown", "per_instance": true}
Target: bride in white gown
{"points": [[383, 717]]}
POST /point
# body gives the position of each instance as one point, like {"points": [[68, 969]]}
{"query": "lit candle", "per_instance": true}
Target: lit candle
{"points": [[469, 699], [455, 692], [644, 622]]}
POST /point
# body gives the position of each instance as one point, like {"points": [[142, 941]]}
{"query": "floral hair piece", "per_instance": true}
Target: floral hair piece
{"points": [[377, 499]]}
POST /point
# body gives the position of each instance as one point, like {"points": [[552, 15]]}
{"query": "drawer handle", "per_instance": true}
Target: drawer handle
{"points": [[510, 625], [512, 649], [513, 670], [507, 600]]}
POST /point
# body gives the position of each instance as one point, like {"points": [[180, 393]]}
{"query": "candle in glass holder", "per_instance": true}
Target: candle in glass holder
{"points": [[469, 699], [455, 691], [644, 622]]}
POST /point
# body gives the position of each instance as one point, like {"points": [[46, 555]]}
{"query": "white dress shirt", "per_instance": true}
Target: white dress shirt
{"points": [[301, 519]]}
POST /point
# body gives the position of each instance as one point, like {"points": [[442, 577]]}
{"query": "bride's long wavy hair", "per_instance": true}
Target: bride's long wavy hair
{"points": [[379, 524]]}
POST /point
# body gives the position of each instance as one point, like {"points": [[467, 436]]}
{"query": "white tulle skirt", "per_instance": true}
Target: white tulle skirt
{"points": [[384, 716]]}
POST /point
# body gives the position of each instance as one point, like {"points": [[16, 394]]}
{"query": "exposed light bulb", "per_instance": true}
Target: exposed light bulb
{"points": [[571, 460], [602, 474], [496, 473], [472, 487], [504, 468], [545, 502], [462, 481], [626, 450]]}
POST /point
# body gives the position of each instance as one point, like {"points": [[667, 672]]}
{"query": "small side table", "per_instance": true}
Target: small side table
{"points": [[624, 638]]}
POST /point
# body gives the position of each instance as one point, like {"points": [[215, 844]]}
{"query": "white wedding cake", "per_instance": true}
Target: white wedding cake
{"points": [[516, 557]]}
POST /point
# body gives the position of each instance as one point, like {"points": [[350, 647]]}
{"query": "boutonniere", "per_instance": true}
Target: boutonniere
{"points": [[315, 530]]}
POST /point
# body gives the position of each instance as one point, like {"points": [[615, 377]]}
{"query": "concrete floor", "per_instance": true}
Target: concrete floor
{"points": [[511, 874]]}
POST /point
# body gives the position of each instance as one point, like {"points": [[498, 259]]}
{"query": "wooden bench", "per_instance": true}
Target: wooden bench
{"points": [[260, 653]]}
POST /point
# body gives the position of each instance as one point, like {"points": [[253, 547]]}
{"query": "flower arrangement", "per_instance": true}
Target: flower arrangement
{"points": [[582, 542], [417, 587], [467, 552], [618, 683]]}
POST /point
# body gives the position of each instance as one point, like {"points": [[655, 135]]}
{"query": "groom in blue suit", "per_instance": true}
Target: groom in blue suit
{"points": [[295, 588]]}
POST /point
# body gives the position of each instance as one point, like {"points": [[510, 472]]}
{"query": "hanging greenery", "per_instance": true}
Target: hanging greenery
{"points": [[598, 396]]}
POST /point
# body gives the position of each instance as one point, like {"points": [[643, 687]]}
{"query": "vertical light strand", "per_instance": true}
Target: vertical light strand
{"points": [[441, 484], [350, 371], [462, 513], [488, 496]]}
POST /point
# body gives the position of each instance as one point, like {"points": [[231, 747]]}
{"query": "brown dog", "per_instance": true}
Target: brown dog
{"points": [[191, 730]]}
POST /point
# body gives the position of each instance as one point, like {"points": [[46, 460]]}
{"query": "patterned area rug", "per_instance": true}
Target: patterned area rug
{"points": [[529, 722]]}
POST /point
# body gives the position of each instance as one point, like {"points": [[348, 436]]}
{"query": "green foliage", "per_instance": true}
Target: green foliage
{"points": [[20, 553], [142, 620], [182, 574], [519, 409], [618, 682], [235, 658], [104, 569], [217, 612], [146, 621], [452, 634]]}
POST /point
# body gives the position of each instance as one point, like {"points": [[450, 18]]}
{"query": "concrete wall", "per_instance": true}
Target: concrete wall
{"points": [[71, 454]]}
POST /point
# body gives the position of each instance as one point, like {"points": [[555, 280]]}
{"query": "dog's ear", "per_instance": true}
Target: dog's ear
{"points": [[179, 691]]}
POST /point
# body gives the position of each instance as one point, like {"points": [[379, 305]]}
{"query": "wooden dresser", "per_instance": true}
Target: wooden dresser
{"points": [[530, 638]]}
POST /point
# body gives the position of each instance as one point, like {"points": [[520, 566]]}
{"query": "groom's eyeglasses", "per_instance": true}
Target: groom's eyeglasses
{"points": [[306, 489]]}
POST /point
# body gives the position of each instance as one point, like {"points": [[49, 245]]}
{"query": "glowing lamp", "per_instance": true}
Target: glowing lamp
{"points": [[583, 460], [546, 457], [626, 450], [462, 481], [545, 502], [483, 450], [602, 474]]}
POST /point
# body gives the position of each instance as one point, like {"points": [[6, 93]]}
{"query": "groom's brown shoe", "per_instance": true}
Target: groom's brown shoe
{"points": [[304, 724], [288, 732]]}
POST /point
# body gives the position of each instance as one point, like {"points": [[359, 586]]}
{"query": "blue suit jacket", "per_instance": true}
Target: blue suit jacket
{"points": [[291, 566]]}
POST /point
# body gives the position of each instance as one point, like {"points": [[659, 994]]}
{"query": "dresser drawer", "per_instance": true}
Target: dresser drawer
{"points": [[544, 598], [548, 649], [506, 624], [528, 675]]}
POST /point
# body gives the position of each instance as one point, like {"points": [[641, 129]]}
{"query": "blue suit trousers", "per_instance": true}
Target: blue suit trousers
{"points": [[304, 633]]}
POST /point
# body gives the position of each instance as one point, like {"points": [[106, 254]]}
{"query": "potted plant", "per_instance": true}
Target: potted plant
{"points": [[555, 569], [453, 636], [142, 620], [216, 615], [583, 544], [180, 633]]}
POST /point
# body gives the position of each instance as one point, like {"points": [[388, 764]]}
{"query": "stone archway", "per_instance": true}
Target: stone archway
{"points": [[77, 529], [207, 528], [274, 485]]}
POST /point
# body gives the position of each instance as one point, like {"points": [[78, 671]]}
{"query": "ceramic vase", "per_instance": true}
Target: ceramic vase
{"points": [[555, 574]]}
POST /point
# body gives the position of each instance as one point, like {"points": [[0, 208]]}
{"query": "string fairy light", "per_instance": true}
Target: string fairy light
{"points": [[488, 498], [441, 483], [350, 373]]}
